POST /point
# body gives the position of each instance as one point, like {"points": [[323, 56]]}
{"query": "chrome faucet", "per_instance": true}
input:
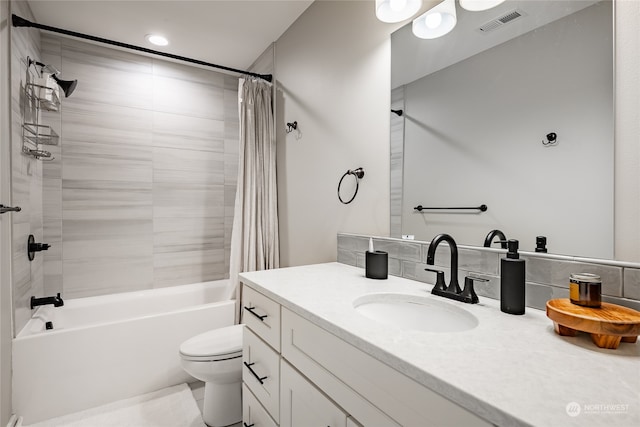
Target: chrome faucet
{"points": [[56, 301], [452, 291]]}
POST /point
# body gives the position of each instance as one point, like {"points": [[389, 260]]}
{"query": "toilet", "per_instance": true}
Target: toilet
{"points": [[215, 357]]}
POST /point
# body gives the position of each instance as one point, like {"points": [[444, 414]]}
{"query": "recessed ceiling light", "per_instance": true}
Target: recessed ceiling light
{"points": [[157, 40]]}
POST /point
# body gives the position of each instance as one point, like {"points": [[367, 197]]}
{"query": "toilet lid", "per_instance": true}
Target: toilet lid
{"points": [[217, 343]]}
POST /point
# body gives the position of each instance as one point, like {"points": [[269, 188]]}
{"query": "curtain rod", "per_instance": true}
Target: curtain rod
{"points": [[21, 22]]}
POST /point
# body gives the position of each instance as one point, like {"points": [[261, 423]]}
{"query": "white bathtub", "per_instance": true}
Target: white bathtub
{"points": [[107, 348]]}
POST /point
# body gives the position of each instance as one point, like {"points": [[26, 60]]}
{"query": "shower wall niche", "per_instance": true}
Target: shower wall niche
{"points": [[142, 191]]}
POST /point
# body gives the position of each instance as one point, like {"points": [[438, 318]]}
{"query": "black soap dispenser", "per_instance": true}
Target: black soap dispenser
{"points": [[512, 275]]}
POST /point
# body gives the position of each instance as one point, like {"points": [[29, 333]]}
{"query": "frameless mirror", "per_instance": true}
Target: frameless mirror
{"points": [[513, 109]]}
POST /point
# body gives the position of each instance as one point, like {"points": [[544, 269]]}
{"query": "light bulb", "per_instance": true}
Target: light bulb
{"points": [[433, 20], [157, 40], [397, 5]]}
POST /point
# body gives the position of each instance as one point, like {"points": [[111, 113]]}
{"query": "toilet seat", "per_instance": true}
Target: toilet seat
{"points": [[218, 344]]}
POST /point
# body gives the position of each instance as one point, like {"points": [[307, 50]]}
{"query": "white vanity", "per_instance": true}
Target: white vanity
{"points": [[311, 358]]}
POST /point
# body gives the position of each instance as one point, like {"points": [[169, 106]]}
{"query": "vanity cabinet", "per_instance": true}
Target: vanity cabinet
{"points": [[303, 375]]}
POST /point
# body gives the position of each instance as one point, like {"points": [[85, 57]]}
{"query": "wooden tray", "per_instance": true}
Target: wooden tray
{"points": [[608, 325]]}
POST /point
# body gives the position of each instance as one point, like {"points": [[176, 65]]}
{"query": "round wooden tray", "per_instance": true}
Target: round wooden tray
{"points": [[608, 324]]}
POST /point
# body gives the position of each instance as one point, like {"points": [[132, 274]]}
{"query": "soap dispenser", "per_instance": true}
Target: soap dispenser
{"points": [[512, 277]]}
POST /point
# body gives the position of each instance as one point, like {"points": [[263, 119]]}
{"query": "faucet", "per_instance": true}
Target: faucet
{"points": [[56, 301], [452, 291], [493, 233]]}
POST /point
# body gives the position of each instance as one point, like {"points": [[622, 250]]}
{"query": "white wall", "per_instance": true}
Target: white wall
{"points": [[333, 75]]}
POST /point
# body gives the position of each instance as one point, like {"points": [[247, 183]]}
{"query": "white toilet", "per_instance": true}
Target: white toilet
{"points": [[215, 357]]}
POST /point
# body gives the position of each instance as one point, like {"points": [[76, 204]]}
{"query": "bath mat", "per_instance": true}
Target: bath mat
{"points": [[169, 407]]}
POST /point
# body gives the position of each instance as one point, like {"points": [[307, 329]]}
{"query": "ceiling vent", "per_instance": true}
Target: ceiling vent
{"points": [[501, 21]]}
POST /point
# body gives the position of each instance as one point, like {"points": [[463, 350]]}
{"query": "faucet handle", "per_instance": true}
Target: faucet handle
{"points": [[468, 293], [440, 284]]}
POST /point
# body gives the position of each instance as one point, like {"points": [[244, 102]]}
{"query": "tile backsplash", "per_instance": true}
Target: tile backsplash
{"points": [[547, 276]]}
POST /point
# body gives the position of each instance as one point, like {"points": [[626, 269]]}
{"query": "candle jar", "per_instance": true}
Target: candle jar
{"points": [[585, 289]]}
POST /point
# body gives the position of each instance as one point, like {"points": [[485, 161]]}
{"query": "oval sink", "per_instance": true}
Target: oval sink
{"points": [[414, 312]]}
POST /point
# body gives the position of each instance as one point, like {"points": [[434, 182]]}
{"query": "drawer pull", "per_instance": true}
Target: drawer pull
{"points": [[250, 310], [248, 425], [249, 365]]}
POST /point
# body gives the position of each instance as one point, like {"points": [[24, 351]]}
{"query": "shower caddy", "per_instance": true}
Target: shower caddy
{"points": [[38, 98]]}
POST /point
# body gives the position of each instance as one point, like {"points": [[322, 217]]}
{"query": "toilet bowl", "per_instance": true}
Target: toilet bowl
{"points": [[215, 357]]}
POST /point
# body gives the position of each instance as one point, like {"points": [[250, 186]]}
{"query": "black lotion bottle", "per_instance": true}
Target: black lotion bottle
{"points": [[512, 270]]}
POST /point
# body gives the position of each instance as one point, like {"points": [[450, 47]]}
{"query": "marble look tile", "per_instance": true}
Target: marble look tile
{"points": [[182, 166], [187, 201], [185, 132], [626, 302], [556, 273], [103, 239], [106, 200], [187, 98], [188, 234], [405, 250], [632, 283], [231, 83], [91, 121], [179, 268], [107, 75], [103, 276], [188, 73], [105, 162], [346, 257], [353, 243]]}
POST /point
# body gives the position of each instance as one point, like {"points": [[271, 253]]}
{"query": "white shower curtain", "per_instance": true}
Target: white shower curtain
{"points": [[254, 237]]}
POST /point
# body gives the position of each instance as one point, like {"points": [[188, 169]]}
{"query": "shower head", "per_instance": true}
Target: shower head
{"points": [[67, 86]]}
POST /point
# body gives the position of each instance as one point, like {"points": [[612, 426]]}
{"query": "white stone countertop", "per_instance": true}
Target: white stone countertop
{"points": [[509, 370]]}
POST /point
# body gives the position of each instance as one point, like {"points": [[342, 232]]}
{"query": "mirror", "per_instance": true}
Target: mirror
{"points": [[512, 109]]}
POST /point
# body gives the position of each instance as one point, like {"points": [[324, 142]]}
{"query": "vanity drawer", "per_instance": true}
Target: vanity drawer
{"points": [[261, 372], [262, 316], [253, 414], [369, 390]]}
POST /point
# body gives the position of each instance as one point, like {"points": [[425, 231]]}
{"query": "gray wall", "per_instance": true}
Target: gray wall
{"points": [[142, 193]]}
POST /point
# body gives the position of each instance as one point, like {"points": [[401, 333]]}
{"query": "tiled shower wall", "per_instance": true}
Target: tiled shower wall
{"points": [[26, 176], [547, 276], [142, 190]]}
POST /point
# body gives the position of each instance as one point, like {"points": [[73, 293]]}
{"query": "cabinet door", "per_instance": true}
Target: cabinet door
{"points": [[301, 404], [253, 414]]}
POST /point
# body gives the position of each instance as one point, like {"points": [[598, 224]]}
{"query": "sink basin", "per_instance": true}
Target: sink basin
{"points": [[415, 313]]}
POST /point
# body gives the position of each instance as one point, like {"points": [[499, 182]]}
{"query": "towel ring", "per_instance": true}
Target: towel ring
{"points": [[358, 173]]}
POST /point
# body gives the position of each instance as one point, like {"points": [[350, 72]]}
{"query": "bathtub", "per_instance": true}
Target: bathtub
{"points": [[102, 349]]}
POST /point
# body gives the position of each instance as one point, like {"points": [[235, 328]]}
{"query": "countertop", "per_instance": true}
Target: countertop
{"points": [[509, 370]]}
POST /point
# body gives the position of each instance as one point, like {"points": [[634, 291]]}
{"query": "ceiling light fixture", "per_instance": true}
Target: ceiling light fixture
{"points": [[157, 40], [396, 10], [479, 5], [436, 22]]}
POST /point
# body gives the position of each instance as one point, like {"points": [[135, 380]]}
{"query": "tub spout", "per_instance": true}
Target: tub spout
{"points": [[56, 301]]}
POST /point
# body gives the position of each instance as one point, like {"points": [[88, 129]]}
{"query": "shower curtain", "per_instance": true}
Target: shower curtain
{"points": [[254, 237]]}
